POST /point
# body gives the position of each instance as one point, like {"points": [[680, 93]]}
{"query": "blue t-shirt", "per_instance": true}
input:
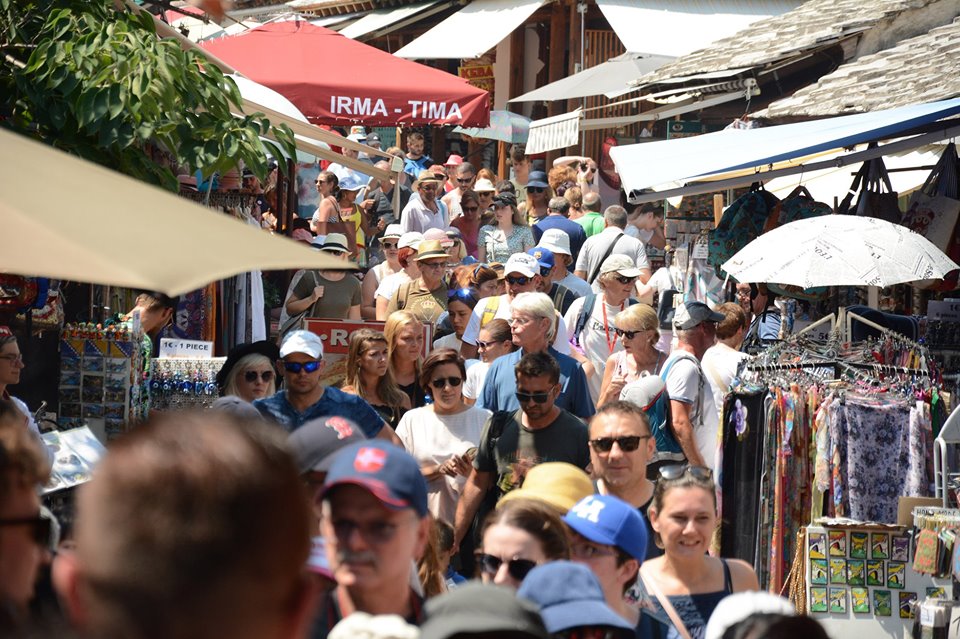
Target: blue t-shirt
{"points": [[576, 233], [414, 167], [333, 402], [500, 385]]}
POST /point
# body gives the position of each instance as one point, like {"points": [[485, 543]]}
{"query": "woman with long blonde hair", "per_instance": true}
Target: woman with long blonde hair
{"points": [[368, 376], [404, 334]]}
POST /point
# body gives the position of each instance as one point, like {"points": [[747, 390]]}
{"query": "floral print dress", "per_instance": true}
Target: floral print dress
{"points": [[499, 247]]}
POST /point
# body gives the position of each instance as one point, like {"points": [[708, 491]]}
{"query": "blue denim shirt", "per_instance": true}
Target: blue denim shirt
{"points": [[333, 402]]}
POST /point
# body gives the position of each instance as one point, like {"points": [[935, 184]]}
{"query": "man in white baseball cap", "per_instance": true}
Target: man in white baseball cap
{"points": [[522, 275], [305, 398], [407, 246], [558, 242]]}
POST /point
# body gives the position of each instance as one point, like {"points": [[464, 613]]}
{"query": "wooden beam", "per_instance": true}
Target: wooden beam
{"points": [[557, 57]]}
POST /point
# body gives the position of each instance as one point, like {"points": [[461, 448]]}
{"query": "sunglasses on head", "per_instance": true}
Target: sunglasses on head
{"points": [[517, 281], [623, 279], [535, 189], [628, 334], [537, 398], [627, 444], [442, 382], [251, 376], [517, 568], [676, 471], [296, 367], [461, 294], [40, 528]]}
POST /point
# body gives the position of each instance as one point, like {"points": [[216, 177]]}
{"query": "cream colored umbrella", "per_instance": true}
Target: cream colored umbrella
{"points": [[66, 218]]}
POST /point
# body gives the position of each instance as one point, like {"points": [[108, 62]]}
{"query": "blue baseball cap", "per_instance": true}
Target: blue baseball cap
{"points": [[543, 256], [390, 473], [570, 596], [608, 520]]}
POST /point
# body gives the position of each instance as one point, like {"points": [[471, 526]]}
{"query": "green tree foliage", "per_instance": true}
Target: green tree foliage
{"points": [[97, 82]]}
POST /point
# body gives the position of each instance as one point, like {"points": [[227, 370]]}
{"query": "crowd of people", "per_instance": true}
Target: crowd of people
{"points": [[543, 468]]}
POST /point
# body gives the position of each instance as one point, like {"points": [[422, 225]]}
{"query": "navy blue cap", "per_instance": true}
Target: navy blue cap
{"points": [[390, 473], [608, 520], [569, 596], [544, 256], [537, 179]]}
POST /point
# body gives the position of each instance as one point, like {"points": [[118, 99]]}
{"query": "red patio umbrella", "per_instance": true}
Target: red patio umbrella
{"points": [[335, 80]]}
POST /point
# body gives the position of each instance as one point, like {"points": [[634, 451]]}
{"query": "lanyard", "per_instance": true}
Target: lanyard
{"points": [[611, 343]]}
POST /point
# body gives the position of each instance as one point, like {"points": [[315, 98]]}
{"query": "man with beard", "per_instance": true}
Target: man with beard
{"points": [[375, 522]]}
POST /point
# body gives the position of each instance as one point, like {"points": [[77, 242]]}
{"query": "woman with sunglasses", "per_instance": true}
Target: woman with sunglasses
{"points": [[328, 212], [495, 339], [538, 194], [639, 332], [597, 338], [248, 372], [469, 223], [460, 304], [404, 333], [508, 235], [683, 515], [443, 436], [368, 376], [389, 245], [11, 364], [518, 536], [426, 296]]}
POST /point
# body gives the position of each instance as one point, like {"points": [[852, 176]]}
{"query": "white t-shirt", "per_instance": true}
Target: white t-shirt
{"points": [[719, 364], [391, 284], [596, 338], [448, 341], [686, 384], [596, 246], [659, 282], [576, 284], [433, 439], [473, 386], [472, 332]]}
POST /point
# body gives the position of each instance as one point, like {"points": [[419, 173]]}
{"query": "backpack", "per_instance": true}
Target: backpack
{"points": [[584, 316], [741, 223], [666, 437]]}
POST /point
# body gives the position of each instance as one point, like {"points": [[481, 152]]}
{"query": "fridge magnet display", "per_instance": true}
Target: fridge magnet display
{"points": [[818, 546], [908, 602], [936, 592], [855, 572], [879, 546], [858, 545], [896, 573], [818, 599], [838, 543], [838, 571], [882, 603], [900, 548], [838, 599], [875, 573], [860, 600], [818, 572]]}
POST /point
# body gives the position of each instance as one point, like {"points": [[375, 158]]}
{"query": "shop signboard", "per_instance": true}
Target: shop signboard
{"points": [[683, 129], [335, 335], [186, 348], [945, 311]]}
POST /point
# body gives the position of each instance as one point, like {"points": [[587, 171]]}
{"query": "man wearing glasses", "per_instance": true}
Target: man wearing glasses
{"points": [[305, 398], [621, 446], [536, 430], [426, 211], [376, 523], [24, 533], [695, 419], [466, 176], [522, 275]]}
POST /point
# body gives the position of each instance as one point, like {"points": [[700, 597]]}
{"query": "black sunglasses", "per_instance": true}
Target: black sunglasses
{"points": [[296, 367], [626, 444], [623, 279], [676, 471], [443, 382], [535, 189], [517, 281], [390, 245], [469, 209], [251, 376], [628, 334], [465, 180], [40, 528], [518, 568], [539, 398], [486, 345]]}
